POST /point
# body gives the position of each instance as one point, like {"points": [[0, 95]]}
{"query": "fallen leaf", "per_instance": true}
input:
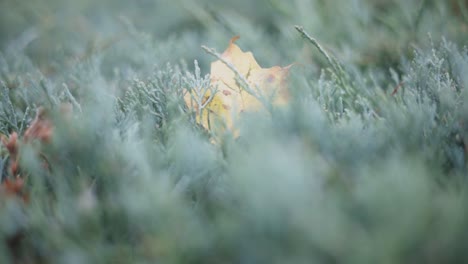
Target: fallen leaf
{"points": [[232, 98]]}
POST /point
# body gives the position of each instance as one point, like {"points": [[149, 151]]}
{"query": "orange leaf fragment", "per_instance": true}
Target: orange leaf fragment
{"points": [[40, 128], [14, 187]]}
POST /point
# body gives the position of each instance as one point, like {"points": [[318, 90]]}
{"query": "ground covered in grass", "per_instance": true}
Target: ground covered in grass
{"points": [[102, 161]]}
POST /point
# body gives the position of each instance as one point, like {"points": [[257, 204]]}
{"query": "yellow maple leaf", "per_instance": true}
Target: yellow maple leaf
{"points": [[232, 98]]}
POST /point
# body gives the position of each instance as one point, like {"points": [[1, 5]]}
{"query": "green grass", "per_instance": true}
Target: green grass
{"points": [[367, 164]]}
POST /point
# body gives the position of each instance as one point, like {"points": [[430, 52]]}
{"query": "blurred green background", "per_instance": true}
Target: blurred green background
{"points": [[366, 32]]}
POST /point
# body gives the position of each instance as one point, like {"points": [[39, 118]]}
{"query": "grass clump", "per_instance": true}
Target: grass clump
{"points": [[102, 161]]}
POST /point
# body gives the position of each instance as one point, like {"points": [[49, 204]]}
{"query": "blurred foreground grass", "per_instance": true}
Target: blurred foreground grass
{"points": [[366, 165]]}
